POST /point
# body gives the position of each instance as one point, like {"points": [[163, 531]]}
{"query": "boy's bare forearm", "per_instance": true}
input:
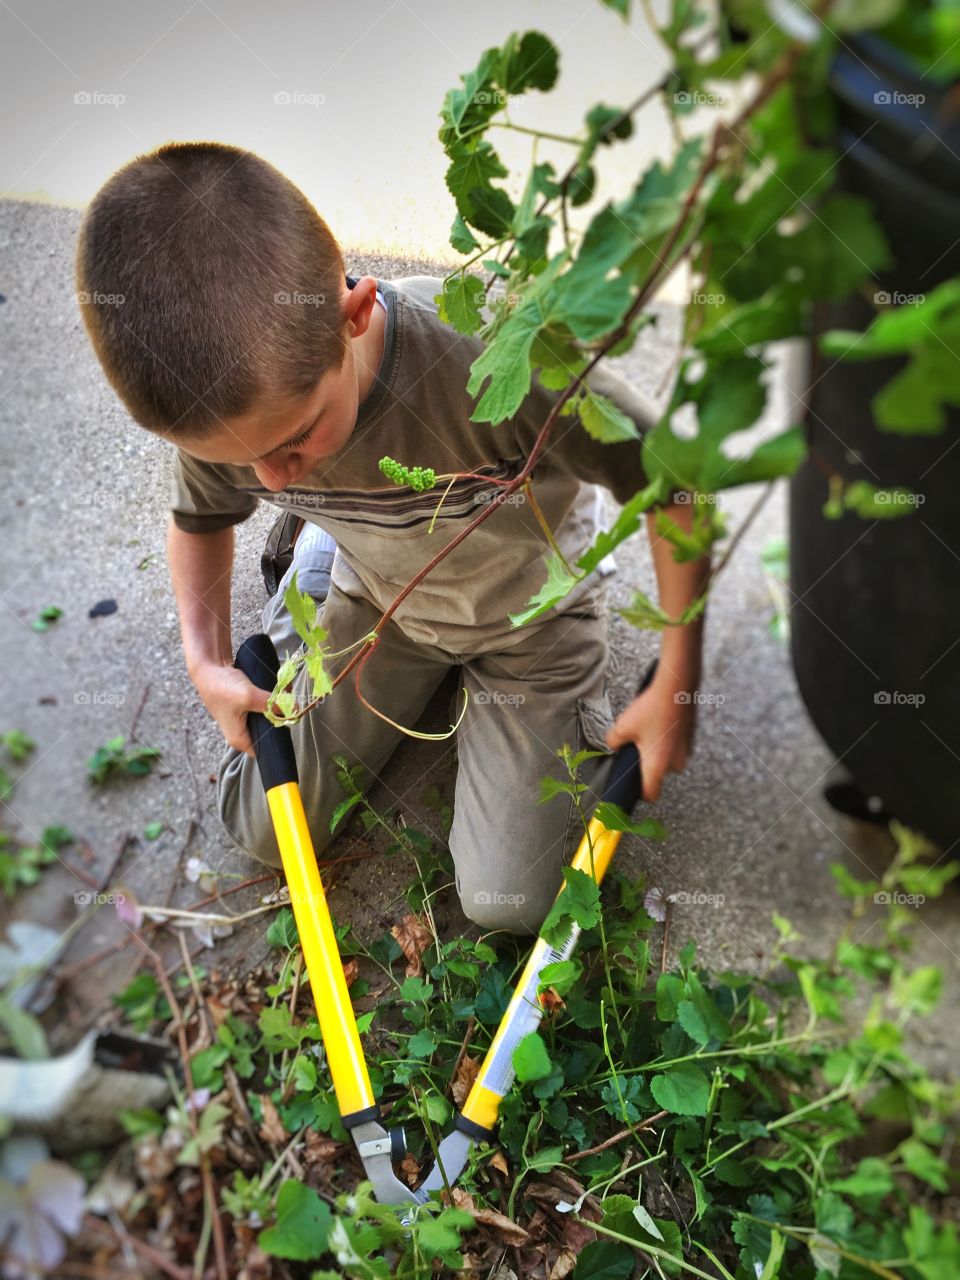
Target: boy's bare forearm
{"points": [[679, 585], [200, 570]]}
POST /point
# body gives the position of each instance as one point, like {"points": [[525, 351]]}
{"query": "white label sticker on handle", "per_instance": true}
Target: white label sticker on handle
{"points": [[523, 1015]]}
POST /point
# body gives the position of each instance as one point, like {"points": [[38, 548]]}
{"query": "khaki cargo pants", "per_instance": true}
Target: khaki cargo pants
{"points": [[524, 702]]}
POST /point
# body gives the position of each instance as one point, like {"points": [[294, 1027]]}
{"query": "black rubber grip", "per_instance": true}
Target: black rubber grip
{"points": [[353, 1118], [273, 746], [624, 785], [479, 1132]]}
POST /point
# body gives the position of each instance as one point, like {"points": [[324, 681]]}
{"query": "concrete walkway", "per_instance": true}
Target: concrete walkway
{"points": [[84, 519]]}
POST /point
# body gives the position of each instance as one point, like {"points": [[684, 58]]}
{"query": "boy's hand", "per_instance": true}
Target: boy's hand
{"points": [[228, 695], [660, 721]]}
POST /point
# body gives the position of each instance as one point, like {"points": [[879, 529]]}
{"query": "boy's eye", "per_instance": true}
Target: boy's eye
{"points": [[293, 444]]}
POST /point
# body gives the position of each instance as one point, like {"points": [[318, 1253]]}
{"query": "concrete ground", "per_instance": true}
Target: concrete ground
{"points": [[83, 520]]}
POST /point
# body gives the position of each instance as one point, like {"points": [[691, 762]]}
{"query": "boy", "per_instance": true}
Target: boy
{"points": [[242, 341]]}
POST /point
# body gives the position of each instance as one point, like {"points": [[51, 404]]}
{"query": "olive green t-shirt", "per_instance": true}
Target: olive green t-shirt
{"points": [[418, 412]]}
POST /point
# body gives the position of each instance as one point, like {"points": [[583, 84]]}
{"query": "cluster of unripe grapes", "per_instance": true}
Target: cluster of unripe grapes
{"points": [[418, 478]]}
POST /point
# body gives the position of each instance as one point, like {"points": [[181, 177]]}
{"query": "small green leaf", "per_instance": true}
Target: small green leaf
{"points": [[342, 809], [145, 1120], [872, 1177], [614, 818], [682, 1090], [604, 1260], [282, 931], [437, 1108], [530, 1059], [545, 1159], [18, 744], [302, 1225], [49, 613], [560, 582], [463, 296]]}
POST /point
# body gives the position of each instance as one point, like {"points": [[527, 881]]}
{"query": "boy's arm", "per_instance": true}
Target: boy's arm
{"points": [[660, 721], [200, 570]]}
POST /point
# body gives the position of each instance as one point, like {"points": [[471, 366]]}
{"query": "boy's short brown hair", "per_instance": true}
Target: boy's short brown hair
{"points": [[208, 284]]}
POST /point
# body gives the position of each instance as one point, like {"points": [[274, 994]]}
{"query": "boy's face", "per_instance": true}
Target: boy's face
{"points": [[285, 441]]}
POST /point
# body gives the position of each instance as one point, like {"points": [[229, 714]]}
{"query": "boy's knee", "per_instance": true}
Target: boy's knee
{"points": [[506, 908], [245, 814]]}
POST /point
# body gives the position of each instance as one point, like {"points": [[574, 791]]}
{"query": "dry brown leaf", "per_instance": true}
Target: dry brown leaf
{"points": [[499, 1161], [575, 1234], [351, 969], [533, 1264], [547, 1192], [271, 1130], [463, 1080], [564, 1264], [218, 1011], [550, 1001], [413, 936], [510, 1232], [156, 1158], [410, 1168], [538, 1225], [257, 1265], [319, 1149]]}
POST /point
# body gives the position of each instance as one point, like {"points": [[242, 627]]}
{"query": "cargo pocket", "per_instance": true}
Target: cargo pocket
{"points": [[595, 717]]}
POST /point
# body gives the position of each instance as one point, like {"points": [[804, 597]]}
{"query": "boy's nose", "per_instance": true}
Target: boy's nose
{"points": [[273, 477]]}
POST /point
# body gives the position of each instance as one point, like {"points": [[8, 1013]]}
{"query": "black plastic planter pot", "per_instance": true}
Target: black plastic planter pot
{"points": [[875, 621]]}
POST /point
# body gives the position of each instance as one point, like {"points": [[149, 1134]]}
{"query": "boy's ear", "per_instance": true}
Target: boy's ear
{"points": [[358, 304]]}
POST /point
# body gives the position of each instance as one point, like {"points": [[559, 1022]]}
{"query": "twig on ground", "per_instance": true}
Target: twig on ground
{"points": [[147, 1251], [229, 1071], [209, 1191], [140, 705], [648, 1123]]}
